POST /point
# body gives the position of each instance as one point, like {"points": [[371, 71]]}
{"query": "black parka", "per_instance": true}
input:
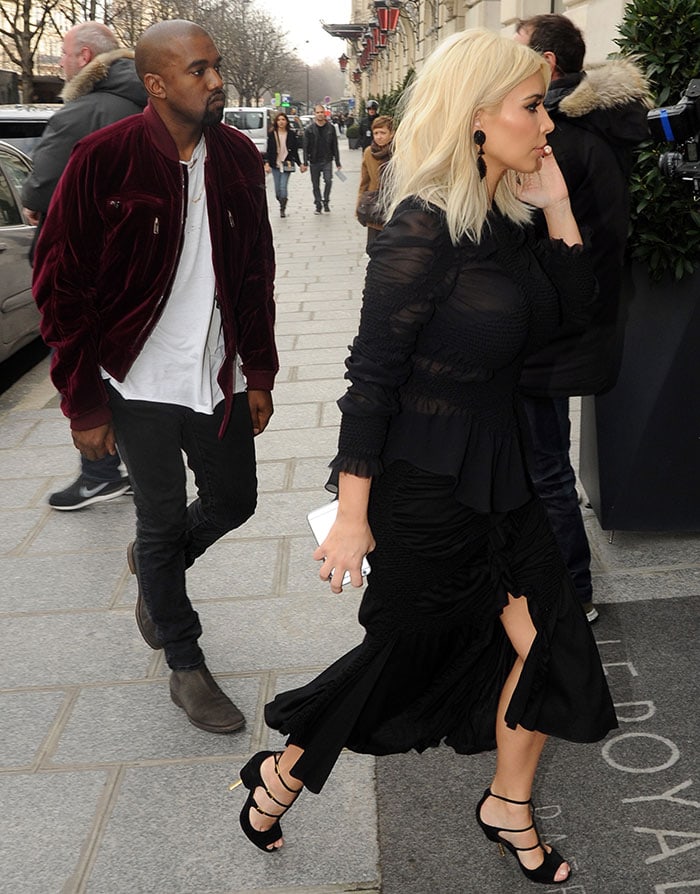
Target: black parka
{"points": [[106, 90], [600, 117]]}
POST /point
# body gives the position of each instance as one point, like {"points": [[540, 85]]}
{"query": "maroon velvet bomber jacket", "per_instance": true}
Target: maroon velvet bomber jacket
{"points": [[109, 248]]}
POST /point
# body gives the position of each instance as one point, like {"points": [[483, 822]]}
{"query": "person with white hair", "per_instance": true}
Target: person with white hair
{"points": [[474, 635], [101, 87]]}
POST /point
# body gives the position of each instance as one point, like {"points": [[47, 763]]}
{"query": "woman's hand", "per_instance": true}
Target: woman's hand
{"points": [[546, 186], [348, 542], [547, 189], [267, 168], [350, 538]]}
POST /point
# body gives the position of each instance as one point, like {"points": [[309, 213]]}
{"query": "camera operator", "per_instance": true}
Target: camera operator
{"points": [[599, 117]]}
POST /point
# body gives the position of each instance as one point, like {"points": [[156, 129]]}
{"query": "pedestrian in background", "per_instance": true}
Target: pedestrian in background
{"points": [[320, 151], [474, 635], [101, 87], [281, 157], [600, 117], [371, 112], [158, 239], [374, 160]]}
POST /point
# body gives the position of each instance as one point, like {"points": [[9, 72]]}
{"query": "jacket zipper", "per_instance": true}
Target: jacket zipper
{"points": [[173, 269]]}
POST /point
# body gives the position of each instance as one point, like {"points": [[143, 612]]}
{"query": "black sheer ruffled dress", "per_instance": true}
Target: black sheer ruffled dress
{"points": [[431, 414]]}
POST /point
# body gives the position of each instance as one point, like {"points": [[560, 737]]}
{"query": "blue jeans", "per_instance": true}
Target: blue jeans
{"points": [[280, 179], [555, 483], [170, 535], [104, 469], [325, 168]]}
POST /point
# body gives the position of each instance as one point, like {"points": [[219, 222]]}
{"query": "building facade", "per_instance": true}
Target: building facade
{"points": [[380, 57]]}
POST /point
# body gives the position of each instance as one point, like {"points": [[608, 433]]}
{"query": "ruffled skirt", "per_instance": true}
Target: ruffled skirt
{"points": [[435, 656]]}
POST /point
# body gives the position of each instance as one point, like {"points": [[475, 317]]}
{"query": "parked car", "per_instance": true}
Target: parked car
{"points": [[22, 126], [19, 317], [253, 122]]}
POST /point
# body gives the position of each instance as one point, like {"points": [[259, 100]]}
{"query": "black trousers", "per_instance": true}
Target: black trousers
{"points": [[170, 535]]}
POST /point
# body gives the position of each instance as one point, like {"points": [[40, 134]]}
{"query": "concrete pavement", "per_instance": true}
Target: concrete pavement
{"points": [[105, 788]]}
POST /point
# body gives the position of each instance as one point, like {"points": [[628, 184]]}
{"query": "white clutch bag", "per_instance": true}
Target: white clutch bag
{"points": [[321, 521]]}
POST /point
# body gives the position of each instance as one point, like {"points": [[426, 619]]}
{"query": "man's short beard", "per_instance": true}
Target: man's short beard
{"points": [[213, 116]]}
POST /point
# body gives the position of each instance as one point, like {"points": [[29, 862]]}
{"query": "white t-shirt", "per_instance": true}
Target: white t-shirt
{"points": [[183, 354]]}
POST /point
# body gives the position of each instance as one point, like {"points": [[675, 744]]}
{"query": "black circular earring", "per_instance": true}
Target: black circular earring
{"points": [[480, 139]]}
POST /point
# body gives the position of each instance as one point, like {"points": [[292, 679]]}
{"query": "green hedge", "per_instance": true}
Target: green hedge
{"points": [[663, 37]]}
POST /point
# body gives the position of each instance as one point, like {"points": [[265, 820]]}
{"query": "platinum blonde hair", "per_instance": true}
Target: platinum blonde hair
{"points": [[434, 157]]}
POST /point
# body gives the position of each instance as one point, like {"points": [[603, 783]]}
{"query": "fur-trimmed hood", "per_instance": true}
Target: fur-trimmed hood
{"points": [[607, 86], [611, 98], [109, 72]]}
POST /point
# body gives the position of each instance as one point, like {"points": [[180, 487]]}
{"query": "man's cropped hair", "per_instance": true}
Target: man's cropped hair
{"points": [[556, 34]]}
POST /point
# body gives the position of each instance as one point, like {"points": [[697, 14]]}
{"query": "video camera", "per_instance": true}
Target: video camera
{"points": [[680, 124]]}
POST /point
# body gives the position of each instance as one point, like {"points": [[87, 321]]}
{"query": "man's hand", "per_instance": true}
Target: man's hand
{"points": [[260, 403], [94, 443], [32, 217]]}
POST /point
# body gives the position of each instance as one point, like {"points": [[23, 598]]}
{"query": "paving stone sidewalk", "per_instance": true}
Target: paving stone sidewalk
{"points": [[105, 788]]}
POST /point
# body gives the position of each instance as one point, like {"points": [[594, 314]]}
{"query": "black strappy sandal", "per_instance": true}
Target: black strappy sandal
{"points": [[251, 778], [545, 872]]}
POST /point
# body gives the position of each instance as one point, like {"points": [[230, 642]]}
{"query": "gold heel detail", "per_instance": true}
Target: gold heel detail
{"points": [[501, 849], [235, 784]]}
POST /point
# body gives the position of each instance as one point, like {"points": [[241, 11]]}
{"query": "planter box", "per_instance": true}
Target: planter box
{"points": [[640, 442], [353, 142]]}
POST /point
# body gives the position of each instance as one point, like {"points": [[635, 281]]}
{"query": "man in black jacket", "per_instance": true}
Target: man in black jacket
{"points": [[101, 87], [599, 117], [372, 110], [320, 150]]}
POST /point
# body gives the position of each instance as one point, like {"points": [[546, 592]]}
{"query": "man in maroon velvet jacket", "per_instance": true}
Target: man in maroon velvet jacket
{"points": [[154, 275]]}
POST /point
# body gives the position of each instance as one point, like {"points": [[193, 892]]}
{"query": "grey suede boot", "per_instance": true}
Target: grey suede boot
{"points": [[198, 694], [144, 622]]}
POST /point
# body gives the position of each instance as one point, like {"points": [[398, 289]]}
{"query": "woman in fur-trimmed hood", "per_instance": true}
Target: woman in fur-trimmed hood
{"points": [[104, 88]]}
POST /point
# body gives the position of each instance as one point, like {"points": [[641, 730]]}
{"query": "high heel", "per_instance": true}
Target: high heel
{"points": [[548, 868], [251, 778]]}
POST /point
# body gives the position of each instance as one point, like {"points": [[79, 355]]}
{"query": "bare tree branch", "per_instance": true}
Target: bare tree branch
{"points": [[22, 26]]}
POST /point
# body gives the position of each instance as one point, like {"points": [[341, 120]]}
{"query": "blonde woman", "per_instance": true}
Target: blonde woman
{"points": [[474, 635]]}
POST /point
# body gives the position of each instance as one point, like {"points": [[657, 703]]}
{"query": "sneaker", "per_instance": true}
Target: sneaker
{"points": [[326, 207], [591, 612], [82, 492], [317, 210]]}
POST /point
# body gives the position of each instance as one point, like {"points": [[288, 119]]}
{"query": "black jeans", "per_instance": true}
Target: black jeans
{"points": [[325, 168], [555, 482], [170, 535]]}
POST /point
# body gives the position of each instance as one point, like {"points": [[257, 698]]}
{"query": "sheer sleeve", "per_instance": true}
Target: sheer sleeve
{"points": [[408, 263], [571, 272]]}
